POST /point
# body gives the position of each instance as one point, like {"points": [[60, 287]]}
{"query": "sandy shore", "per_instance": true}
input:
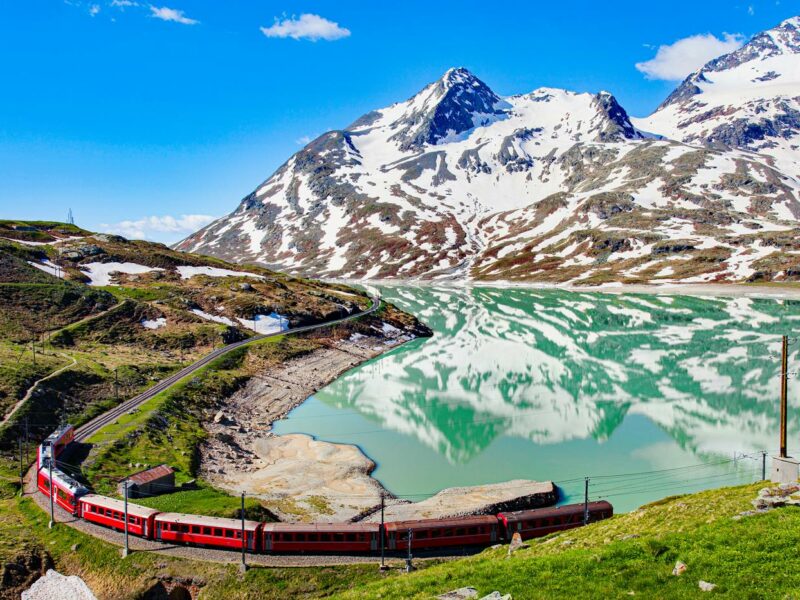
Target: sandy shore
{"points": [[303, 479]]}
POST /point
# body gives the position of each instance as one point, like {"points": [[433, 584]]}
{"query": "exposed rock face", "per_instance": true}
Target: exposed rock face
{"points": [[458, 182]]}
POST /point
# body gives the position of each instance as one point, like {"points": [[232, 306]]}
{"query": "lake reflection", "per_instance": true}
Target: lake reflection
{"points": [[556, 385]]}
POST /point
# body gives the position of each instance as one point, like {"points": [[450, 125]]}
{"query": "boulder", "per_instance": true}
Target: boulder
{"points": [[705, 586], [680, 568], [516, 543]]}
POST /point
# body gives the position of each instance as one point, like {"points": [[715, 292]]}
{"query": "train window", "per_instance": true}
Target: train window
{"points": [[218, 532], [206, 530], [351, 537], [421, 534], [325, 537], [460, 531], [436, 533], [338, 537]]}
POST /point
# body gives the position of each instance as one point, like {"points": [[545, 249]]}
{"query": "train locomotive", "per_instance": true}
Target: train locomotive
{"points": [[320, 538]]}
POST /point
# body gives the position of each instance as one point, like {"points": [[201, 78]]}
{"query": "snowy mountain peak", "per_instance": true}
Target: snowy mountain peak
{"points": [[747, 99], [555, 185], [444, 109]]}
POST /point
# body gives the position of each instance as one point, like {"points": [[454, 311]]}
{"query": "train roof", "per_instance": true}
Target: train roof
{"points": [[321, 527], [136, 510], [64, 480], [440, 523], [204, 521], [553, 511], [58, 433]]}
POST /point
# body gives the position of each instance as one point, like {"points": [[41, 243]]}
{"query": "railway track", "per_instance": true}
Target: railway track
{"points": [[86, 430]]}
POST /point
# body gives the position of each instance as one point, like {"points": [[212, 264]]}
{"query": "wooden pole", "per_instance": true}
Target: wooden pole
{"points": [[784, 395]]}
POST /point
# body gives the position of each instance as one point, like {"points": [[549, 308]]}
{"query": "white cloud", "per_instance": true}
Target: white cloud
{"points": [[94, 10], [123, 4], [303, 140], [675, 61], [171, 14], [750, 10], [306, 27], [160, 228]]}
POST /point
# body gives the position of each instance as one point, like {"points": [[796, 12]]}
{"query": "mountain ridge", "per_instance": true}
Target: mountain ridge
{"points": [[458, 182]]}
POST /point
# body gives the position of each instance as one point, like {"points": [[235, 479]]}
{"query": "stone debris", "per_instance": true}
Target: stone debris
{"points": [[497, 596], [55, 586], [516, 543], [785, 494], [680, 568], [705, 586], [459, 594]]}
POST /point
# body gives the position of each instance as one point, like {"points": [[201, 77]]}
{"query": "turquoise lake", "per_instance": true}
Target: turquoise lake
{"points": [[521, 383]]}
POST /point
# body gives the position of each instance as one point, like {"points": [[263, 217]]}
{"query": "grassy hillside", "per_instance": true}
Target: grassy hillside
{"points": [[72, 349], [634, 555], [630, 555]]}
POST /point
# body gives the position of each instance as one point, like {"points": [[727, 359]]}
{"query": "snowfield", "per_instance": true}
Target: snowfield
{"points": [[101, 274]]}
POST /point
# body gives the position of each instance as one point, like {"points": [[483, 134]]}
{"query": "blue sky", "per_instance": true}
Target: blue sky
{"points": [[142, 114]]}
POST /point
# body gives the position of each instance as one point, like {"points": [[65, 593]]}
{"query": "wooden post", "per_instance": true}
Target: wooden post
{"points": [[784, 395]]}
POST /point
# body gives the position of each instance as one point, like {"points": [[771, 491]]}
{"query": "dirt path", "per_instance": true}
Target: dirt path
{"points": [[36, 383]]}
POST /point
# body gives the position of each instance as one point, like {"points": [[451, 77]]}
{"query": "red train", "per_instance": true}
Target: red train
{"points": [[362, 538], [54, 445]]}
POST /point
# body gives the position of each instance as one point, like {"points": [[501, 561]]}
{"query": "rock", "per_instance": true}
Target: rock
{"points": [[497, 596], [516, 543], [74, 547], [219, 417], [459, 594], [680, 568], [705, 586], [55, 585]]}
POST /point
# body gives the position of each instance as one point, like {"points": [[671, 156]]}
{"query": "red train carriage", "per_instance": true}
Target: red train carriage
{"points": [[207, 531], [437, 533], [54, 444], [541, 521], [66, 490], [111, 513], [321, 537]]}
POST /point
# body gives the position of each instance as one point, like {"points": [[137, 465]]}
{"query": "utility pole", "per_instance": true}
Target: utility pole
{"points": [[33, 347], [763, 465], [126, 550], [409, 566], [383, 566], [52, 506], [244, 542], [586, 501], [784, 395]]}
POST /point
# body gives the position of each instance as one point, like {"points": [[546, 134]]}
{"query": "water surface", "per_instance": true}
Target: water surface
{"points": [[554, 385]]}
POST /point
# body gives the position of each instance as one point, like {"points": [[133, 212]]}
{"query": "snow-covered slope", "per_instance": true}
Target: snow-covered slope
{"points": [[747, 99], [552, 185]]}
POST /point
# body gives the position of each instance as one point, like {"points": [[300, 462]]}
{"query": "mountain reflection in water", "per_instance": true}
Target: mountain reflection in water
{"points": [[569, 383]]}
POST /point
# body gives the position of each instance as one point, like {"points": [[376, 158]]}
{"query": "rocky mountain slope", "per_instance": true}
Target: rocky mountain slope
{"points": [[556, 186]]}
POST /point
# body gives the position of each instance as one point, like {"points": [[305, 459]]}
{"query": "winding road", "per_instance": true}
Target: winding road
{"points": [[86, 430]]}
